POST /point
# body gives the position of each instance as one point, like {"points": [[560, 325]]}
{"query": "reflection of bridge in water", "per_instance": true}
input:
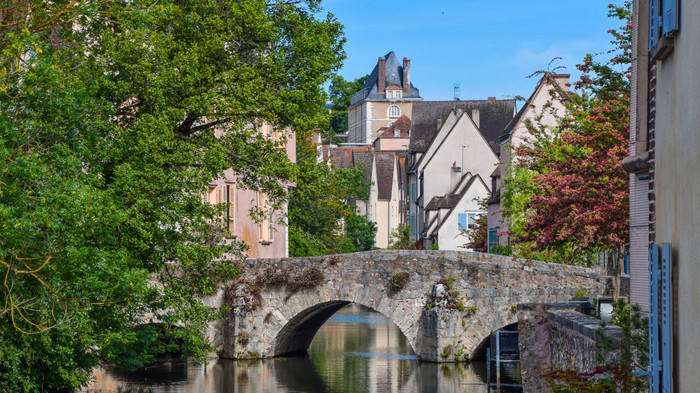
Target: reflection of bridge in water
{"points": [[270, 316], [356, 351]]}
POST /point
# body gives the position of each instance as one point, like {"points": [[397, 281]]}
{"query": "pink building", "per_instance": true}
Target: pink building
{"points": [[270, 237]]}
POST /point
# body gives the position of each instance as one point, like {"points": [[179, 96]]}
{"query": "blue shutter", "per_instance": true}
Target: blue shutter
{"points": [[670, 17], [660, 340], [653, 23], [666, 313], [654, 361], [462, 221]]}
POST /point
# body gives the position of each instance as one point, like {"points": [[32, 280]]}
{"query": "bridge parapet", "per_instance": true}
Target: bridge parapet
{"points": [[447, 307]]}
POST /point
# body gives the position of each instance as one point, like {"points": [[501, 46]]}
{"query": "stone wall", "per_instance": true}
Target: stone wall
{"points": [[268, 320], [558, 334]]}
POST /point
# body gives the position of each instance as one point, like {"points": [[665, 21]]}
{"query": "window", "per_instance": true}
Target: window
{"points": [[412, 193], [394, 111], [393, 93], [231, 210], [265, 226], [467, 220], [493, 238], [210, 195]]}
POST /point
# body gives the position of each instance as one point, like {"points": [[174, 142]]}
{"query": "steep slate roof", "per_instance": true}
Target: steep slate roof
{"points": [[433, 204], [365, 158], [385, 173], [494, 115], [394, 76]]}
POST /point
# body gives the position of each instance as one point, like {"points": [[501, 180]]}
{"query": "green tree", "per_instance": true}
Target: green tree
{"points": [[321, 219], [111, 133], [340, 92], [401, 238]]}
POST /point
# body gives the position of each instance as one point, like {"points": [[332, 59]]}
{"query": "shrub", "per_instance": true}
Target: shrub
{"points": [[243, 338], [399, 280]]}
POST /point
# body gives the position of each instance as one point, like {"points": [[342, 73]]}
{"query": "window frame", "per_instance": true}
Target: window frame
{"points": [[391, 110]]}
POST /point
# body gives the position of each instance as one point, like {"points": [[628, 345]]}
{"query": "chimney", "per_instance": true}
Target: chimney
{"points": [[492, 98], [381, 77], [406, 76], [455, 176], [475, 117]]}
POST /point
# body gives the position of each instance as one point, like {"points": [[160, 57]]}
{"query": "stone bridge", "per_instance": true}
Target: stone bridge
{"points": [[446, 303]]}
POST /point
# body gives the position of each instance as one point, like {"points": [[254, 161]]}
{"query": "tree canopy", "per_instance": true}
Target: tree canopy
{"points": [[116, 115], [340, 92], [321, 218]]}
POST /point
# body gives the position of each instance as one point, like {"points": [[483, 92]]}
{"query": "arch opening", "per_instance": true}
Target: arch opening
{"points": [[296, 336], [480, 350]]}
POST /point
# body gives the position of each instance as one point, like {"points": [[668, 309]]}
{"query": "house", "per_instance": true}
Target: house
{"points": [[449, 216], [268, 238], [449, 138], [664, 163], [384, 172], [389, 115], [544, 106], [396, 137], [387, 95]]}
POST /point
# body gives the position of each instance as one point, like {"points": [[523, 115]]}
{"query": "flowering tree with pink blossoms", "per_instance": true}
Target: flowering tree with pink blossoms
{"points": [[579, 191]]}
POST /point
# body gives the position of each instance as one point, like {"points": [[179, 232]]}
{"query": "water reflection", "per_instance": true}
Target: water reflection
{"points": [[357, 350]]}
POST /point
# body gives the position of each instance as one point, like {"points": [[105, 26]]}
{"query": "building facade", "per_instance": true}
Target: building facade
{"points": [[449, 137], [545, 107], [387, 95], [666, 157], [268, 238]]}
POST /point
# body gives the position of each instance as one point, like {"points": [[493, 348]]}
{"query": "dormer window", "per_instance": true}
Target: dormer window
{"points": [[394, 111], [393, 92]]}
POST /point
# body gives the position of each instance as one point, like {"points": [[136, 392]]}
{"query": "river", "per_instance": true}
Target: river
{"points": [[356, 350]]}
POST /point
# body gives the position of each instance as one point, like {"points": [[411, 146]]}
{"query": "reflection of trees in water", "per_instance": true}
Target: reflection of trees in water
{"points": [[165, 370], [344, 357]]}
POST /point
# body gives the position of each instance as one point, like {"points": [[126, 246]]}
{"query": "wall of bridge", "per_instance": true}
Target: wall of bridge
{"points": [[278, 305]]}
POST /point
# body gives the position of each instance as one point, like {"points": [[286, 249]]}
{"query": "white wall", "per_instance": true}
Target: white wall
{"points": [[449, 236], [463, 145]]}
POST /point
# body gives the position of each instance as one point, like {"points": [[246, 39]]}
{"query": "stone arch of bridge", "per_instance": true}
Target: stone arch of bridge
{"points": [[479, 352], [296, 335]]}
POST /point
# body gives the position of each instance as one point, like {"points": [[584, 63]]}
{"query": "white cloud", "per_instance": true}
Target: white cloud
{"points": [[531, 55]]}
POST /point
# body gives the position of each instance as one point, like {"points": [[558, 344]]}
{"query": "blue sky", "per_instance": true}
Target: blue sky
{"points": [[488, 47]]}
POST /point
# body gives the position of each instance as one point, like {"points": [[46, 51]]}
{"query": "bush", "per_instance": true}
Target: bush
{"points": [[399, 280]]}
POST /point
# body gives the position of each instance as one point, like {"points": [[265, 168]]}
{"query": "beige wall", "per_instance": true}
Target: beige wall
{"points": [[372, 115], [383, 233], [379, 117], [541, 104], [358, 122], [476, 157], [677, 184]]}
